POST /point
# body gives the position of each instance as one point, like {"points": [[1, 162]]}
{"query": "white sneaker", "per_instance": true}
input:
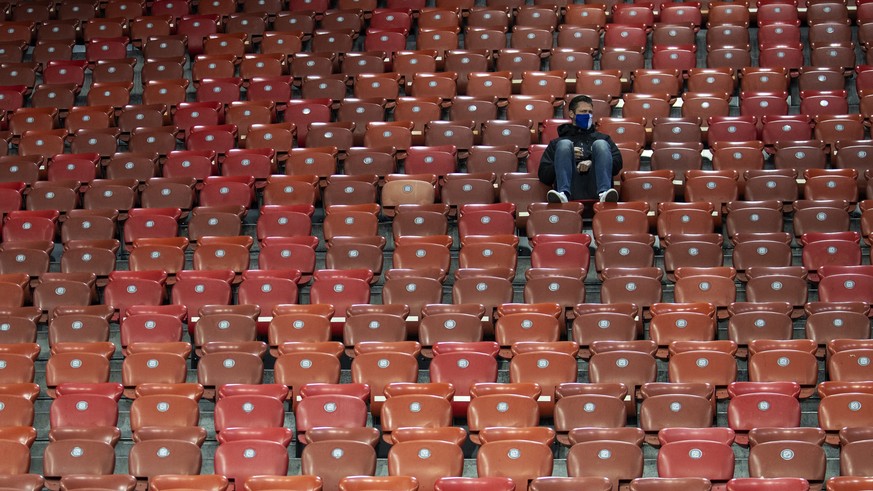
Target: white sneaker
{"points": [[556, 197], [609, 196]]}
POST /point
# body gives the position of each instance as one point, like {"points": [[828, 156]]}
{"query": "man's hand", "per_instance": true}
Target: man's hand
{"points": [[577, 153], [583, 166]]}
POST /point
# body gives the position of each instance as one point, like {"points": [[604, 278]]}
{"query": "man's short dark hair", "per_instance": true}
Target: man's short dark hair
{"points": [[579, 99]]}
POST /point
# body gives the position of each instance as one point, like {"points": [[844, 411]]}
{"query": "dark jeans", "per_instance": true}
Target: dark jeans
{"points": [[565, 166]]}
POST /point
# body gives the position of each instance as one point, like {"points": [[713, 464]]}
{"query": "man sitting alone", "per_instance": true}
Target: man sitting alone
{"points": [[581, 162]]}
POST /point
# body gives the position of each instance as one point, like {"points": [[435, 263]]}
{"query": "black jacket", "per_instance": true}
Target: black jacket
{"points": [[584, 185]]}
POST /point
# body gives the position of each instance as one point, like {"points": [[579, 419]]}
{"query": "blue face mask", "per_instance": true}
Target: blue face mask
{"points": [[585, 121]]}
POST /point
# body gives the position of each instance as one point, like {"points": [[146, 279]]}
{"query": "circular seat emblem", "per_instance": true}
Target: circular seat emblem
{"points": [[760, 323], [604, 454], [229, 363], [783, 361], [82, 405], [787, 454], [695, 453], [681, 323], [77, 452], [249, 453], [373, 325], [383, 363], [849, 284], [298, 324], [481, 287], [702, 362], [163, 452], [463, 363], [542, 363], [450, 324], [514, 454], [675, 406], [630, 286], [424, 453], [163, 407], [864, 361], [330, 407], [589, 407], [502, 407], [248, 407], [411, 287], [305, 363], [603, 324], [855, 406], [526, 324], [763, 406], [152, 363], [338, 288], [553, 287], [76, 363], [415, 407], [622, 363]]}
